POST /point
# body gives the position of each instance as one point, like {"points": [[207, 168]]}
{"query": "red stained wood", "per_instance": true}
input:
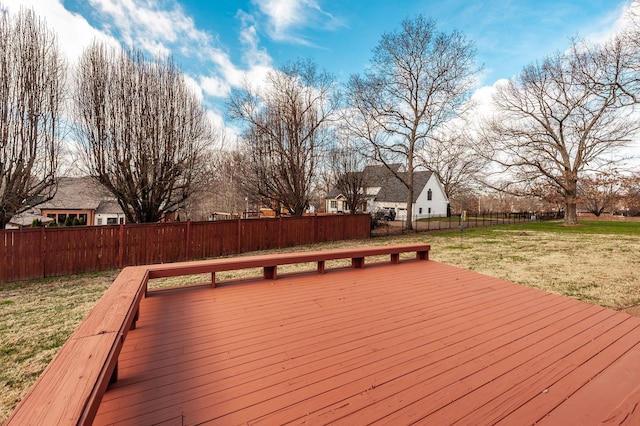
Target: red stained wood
{"points": [[270, 261], [414, 342], [37, 253], [72, 385]]}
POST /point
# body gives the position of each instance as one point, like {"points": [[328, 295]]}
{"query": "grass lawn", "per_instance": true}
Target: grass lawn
{"points": [[596, 261]]}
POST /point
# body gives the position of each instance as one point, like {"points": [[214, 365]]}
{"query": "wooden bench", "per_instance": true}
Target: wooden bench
{"points": [[270, 263], [70, 389]]}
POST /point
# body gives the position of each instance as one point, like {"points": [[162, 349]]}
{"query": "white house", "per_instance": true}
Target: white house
{"points": [[384, 190]]}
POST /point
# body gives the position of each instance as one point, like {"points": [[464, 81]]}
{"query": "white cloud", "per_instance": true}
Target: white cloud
{"points": [[612, 23], [283, 15], [163, 27], [253, 55], [286, 16], [147, 25], [214, 86], [73, 31]]}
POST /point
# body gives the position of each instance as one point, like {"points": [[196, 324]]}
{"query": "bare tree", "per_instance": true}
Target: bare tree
{"points": [[630, 198], [222, 192], [629, 41], [564, 116], [288, 126], [601, 191], [454, 161], [418, 80], [32, 77], [143, 129], [347, 165]]}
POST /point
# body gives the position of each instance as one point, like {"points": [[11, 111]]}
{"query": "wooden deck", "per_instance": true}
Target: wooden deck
{"points": [[418, 342]]}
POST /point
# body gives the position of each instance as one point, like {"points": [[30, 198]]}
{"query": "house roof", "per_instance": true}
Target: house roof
{"points": [[109, 207], [77, 193], [375, 176], [394, 190], [391, 188], [27, 218]]}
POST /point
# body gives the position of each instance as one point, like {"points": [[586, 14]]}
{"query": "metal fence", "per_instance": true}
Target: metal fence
{"points": [[464, 221]]}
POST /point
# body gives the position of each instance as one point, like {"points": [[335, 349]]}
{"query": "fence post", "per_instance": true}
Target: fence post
{"points": [[43, 257], [315, 229], [121, 246], [280, 231], [239, 236], [187, 243]]}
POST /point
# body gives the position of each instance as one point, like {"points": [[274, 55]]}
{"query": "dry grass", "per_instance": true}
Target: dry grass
{"points": [[595, 269], [594, 263]]}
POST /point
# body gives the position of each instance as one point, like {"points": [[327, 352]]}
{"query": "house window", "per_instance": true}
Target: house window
{"points": [[429, 210], [420, 210], [429, 195], [83, 219], [112, 221], [99, 221], [334, 204]]}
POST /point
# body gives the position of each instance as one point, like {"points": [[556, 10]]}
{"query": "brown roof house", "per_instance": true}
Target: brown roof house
{"points": [[82, 201], [384, 191]]}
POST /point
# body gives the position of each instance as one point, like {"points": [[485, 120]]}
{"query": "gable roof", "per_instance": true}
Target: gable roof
{"points": [[395, 191], [78, 193], [109, 207], [391, 188], [377, 175]]}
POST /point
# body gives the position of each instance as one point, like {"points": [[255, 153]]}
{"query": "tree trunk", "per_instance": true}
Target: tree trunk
{"points": [[409, 226], [570, 214]]}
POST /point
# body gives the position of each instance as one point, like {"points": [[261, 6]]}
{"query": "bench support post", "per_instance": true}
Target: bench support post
{"points": [[321, 266], [422, 254], [357, 262], [395, 258], [270, 272], [114, 375], [135, 319], [213, 280]]}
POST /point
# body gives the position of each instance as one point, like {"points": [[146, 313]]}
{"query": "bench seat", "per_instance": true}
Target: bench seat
{"points": [[271, 262], [70, 389]]}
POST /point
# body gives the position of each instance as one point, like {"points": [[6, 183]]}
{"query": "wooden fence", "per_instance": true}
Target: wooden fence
{"points": [[32, 253]]}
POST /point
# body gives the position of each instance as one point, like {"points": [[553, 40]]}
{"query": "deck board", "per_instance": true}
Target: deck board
{"points": [[395, 344]]}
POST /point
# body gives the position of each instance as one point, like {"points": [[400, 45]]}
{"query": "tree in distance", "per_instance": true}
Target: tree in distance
{"points": [[287, 129], [418, 80], [143, 130], [564, 116], [347, 164], [32, 87]]}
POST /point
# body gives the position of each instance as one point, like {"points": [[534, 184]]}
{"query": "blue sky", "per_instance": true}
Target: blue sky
{"points": [[218, 43]]}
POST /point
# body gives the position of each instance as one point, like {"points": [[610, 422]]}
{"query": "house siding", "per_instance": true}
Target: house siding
{"points": [[437, 204]]}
